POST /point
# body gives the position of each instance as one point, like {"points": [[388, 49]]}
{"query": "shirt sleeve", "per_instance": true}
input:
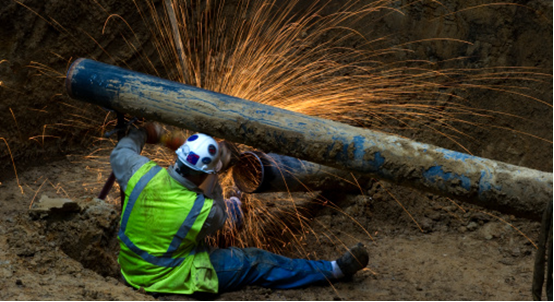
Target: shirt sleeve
{"points": [[217, 216], [125, 157]]}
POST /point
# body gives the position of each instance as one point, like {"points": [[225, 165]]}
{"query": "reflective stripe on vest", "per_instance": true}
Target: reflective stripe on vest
{"points": [[165, 260]]}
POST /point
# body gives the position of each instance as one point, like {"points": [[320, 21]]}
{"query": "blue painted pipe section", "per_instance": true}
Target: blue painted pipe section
{"points": [[492, 184], [279, 173]]}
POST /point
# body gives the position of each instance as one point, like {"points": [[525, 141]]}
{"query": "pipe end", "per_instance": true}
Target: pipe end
{"points": [[69, 76], [248, 172]]}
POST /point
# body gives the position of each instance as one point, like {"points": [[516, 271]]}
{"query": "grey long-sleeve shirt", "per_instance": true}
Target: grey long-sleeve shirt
{"points": [[126, 160]]}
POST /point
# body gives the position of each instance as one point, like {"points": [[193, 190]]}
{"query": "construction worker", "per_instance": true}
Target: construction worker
{"points": [[166, 217]]}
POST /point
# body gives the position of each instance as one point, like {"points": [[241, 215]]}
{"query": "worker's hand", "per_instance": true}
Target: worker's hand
{"points": [[234, 211], [234, 192], [154, 132], [228, 154], [173, 139]]}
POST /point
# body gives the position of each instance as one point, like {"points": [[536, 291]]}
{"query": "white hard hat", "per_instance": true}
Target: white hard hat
{"points": [[200, 153]]}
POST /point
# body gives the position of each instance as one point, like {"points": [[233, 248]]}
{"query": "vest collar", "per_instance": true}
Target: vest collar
{"points": [[183, 181]]}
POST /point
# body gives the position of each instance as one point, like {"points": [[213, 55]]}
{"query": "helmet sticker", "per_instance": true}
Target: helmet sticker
{"points": [[212, 150], [206, 160], [192, 158], [192, 138]]}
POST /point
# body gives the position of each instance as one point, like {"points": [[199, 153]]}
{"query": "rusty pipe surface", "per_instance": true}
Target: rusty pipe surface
{"points": [[258, 172], [492, 184]]}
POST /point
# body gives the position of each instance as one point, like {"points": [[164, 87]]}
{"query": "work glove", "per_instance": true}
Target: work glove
{"points": [[157, 134], [234, 210], [154, 132], [234, 191], [173, 139]]}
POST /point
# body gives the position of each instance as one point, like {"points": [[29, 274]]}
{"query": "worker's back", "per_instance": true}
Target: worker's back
{"points": [[159, 227]]}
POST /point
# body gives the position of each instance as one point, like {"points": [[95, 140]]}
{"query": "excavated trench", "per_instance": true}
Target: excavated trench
{"points": [[446, 252], [84, 229]]}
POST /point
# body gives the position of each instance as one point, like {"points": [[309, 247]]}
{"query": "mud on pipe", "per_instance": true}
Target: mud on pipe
{"points": [[495, 185]]}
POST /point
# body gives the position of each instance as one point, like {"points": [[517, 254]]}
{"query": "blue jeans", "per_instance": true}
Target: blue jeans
{"points": [[237, 267]]}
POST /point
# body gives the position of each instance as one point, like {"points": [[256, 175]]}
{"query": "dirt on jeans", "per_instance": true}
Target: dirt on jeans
{"points": [[422, 247]]}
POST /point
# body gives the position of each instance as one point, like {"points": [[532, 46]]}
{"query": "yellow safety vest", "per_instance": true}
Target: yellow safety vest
{"points": [[159, 225]]}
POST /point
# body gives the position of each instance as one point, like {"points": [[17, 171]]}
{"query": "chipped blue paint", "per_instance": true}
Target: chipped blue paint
{"points": [[449, 154], [485, 184], [361, 150], [355, 146], [330, 148], [377, 162], [359, 147], [91, 75], [266, 112], [436, 173]]}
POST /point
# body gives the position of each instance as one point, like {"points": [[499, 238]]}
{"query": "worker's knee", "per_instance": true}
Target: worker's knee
{"points": [[229, 259], [258, 257]]}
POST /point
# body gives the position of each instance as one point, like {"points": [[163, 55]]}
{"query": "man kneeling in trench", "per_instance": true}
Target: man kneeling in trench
{"points": [[167, 216]]}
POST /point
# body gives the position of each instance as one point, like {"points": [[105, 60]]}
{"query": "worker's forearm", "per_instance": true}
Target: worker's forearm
{"points": [[134, 141], [209, 185], [126, 159], [216, 219]]}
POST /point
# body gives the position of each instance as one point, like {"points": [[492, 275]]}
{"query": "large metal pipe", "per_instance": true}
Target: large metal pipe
{"points": [[491, 184], [258, 172]]}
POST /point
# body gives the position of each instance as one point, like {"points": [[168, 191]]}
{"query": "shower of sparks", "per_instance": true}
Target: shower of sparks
{"points": [[297, 59], [304, 57]]}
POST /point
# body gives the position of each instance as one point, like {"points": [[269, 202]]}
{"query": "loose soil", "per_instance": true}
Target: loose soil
{"points": [[456, 255], [422, 247]]}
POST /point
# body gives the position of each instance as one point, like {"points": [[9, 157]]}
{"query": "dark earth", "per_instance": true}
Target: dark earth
{"points": [[422, 246]]}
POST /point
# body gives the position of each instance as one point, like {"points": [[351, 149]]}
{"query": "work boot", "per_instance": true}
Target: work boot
{"points": [[353, 260]]}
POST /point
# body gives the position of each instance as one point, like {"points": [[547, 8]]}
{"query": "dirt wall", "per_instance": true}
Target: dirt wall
{"points": [[422, 247], [39, 39]]}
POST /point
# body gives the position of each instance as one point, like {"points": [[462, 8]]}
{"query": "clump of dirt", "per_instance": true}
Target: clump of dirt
{"points": [[422, 247], [61, 255], [86, 232]]}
